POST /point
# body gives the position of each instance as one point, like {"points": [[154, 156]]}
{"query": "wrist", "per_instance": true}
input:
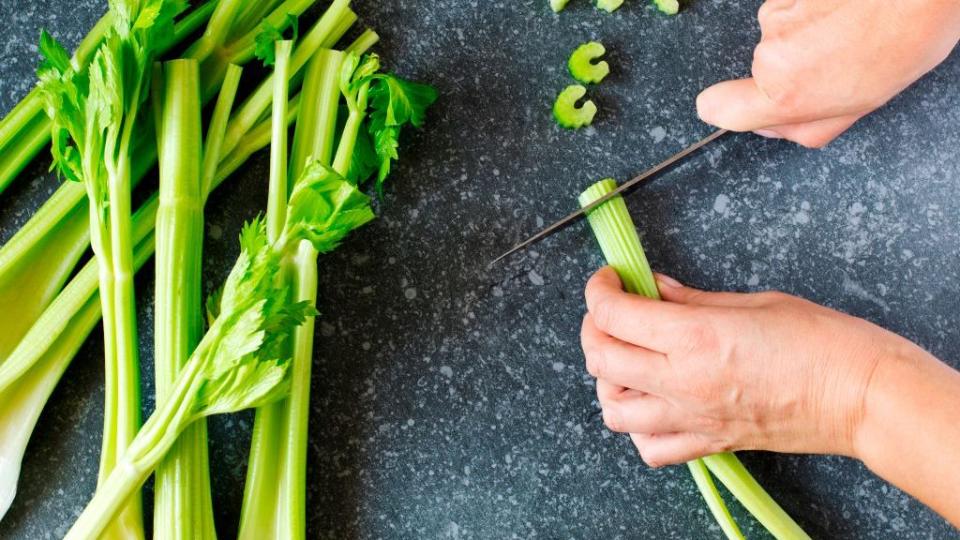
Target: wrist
{"points": [[904, 384]]}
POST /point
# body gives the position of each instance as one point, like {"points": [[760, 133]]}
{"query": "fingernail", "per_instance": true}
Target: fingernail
{"points": [[669, 281], [769, 133]]}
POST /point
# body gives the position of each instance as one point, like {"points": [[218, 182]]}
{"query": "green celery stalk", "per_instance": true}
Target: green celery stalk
{"points": [[258, 518], [182, 503], [731, 472], [701, 476], [275, 490], [617, 236], [69, 321]]}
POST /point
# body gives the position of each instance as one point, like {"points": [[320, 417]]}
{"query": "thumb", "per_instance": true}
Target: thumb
{"points": [[740, 105], [672, 290]]}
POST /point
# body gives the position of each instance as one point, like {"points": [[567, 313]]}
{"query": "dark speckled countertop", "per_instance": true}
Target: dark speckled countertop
{"points": [[450, 401]]}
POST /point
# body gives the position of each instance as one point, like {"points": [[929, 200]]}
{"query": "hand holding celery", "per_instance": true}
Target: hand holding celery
{"points": [[623, 387]]}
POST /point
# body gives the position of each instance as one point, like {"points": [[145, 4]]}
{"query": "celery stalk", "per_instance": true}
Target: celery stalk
{"points": [[69, 321], [278, 451], [731, 472], [258, 517], [617, 236], [182, 508]]}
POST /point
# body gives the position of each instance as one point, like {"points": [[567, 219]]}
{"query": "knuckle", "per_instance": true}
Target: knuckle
{"points": [[604, 313], [653, 461], [612, 420], [597, 362]]}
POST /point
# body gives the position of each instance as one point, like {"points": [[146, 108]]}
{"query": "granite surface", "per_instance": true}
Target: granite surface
{"points": [[450, 401]]}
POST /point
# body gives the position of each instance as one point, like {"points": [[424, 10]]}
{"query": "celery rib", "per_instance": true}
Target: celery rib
{"points": [[183, 507], [731, 472]]}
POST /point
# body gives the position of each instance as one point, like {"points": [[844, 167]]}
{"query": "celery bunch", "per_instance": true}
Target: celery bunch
{"points": [[47, 322], [617, 236]]}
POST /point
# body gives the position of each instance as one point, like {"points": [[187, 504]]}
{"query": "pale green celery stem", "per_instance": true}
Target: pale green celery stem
{"points": [[218, 127], [617, 236], [122, 387], [258, 513], [701, 475], [365, 42], [183, 508], [731, 472], [74, 315], [277, 202], [314, 135], [325, 33], [277, 464], [156, 438]]}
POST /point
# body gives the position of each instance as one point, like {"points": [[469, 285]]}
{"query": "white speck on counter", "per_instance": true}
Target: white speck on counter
{"points": [[535, 278], [446, 371], [658, 134], [410, 293], [721, 204]]}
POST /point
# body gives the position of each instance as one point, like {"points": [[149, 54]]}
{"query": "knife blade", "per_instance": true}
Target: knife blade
{"points": [[653, 171]]}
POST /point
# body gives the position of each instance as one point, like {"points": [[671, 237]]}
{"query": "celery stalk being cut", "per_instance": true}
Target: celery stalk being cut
{"points": [[618, 239]]}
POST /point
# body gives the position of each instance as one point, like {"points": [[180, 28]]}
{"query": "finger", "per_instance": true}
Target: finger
{"points": [[651, 324], [672, 290], [815, 134], [622, 364], [607, 391], [636, 412], [740, 105], [665, 449]]}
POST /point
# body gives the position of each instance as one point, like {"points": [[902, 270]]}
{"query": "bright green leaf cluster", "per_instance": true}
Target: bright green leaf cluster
{"points": [[394, 104], [324, 208]]}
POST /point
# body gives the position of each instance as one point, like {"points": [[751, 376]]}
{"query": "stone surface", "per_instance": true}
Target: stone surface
{"points": [[450, 401]]}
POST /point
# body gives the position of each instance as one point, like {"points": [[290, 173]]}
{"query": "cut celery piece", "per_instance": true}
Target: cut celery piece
{"points": [[566, 112], [583, 65]]}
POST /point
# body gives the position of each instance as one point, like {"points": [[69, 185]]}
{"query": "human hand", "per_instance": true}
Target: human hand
{"points": [[700, 373], [821, 66]]}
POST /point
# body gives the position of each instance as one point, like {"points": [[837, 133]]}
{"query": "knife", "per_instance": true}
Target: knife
{"points": [[563, 223]]}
